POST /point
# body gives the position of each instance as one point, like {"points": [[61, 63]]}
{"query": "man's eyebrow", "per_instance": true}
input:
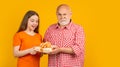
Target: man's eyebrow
{"points": [[58, 13]]}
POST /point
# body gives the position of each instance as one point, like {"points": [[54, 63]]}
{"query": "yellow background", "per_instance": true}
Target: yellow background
{"points": [[100, 19]]}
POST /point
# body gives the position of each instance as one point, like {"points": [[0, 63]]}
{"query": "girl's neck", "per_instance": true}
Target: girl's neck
{"points": [[30, 32]]}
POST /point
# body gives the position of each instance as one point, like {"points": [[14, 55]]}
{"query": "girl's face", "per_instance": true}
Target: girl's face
{"points": [[32, 23]]}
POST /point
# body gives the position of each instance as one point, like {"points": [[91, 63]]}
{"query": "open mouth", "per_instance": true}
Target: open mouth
{"points": [[62, 20], [33, 26]]}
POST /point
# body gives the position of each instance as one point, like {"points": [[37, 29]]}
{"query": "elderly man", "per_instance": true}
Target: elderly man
{"points": [[67, 39]]}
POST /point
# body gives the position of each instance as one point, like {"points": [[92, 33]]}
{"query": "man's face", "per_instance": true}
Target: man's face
{"points": [[64, 16]]}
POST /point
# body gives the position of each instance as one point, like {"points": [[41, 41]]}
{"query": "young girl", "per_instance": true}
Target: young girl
{"points": [[26, 39]]}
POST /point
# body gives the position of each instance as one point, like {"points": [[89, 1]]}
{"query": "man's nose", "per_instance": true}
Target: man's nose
{"points": [[62, 16]]}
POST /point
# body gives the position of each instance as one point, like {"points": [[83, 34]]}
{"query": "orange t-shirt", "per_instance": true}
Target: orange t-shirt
{"points": [[27, 41]]}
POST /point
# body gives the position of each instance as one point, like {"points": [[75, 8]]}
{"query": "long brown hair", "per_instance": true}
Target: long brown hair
{"points": [[24, 22]]}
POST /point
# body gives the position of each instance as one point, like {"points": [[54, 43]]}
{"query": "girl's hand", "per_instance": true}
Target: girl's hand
{"points": [[32, 51], [38, 48]]}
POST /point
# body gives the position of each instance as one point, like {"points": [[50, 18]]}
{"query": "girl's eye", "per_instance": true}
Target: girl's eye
{"points": [[32, 20]]}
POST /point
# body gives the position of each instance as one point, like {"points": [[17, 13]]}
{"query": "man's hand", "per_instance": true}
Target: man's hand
{"points": [[55, 49]]}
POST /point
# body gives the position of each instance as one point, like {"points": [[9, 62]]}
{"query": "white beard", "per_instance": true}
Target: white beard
{"points": [[63, 22]]}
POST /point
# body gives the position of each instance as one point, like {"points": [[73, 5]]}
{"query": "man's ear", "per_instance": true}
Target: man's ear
{"points": [[70, 13]]}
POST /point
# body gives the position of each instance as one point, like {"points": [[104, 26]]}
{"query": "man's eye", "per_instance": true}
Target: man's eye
{"points": [[64, 14], [59, 14]]}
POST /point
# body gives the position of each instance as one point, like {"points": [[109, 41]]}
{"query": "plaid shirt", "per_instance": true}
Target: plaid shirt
{"points": [[72, 36]]}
